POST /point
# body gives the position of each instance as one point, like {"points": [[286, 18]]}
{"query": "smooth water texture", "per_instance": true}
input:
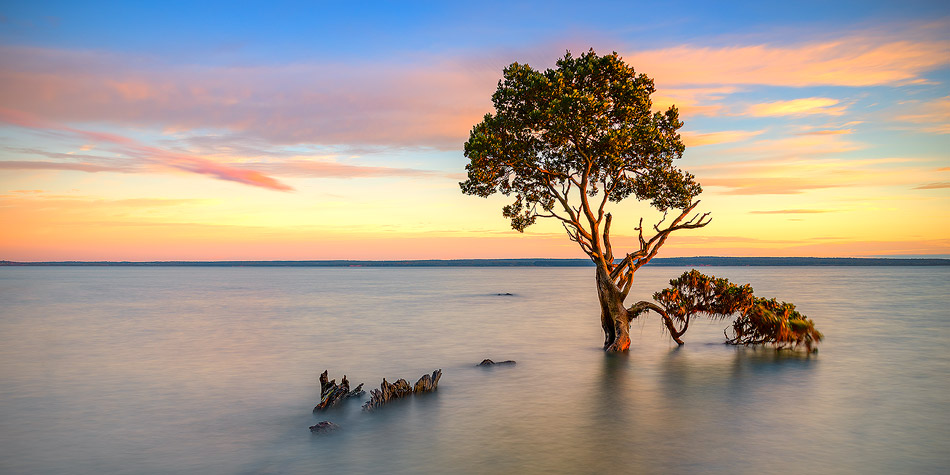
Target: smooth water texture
{"points": [[214, 370]]}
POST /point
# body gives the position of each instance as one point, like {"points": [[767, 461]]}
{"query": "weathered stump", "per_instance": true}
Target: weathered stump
{"points": [[391, 391], [324, 427], [331, 393], [427, 383], [488, 362]]}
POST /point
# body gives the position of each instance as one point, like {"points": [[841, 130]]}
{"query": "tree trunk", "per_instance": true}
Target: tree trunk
{"points": [[613, 315]]}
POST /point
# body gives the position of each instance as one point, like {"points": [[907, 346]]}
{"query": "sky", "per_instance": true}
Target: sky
{"points": [[322, 130]]}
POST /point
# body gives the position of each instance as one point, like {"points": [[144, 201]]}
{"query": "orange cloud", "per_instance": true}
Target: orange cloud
{"points": [[692, 101], [695, 139], [770, 185], [792, 211], [827, 132], [132, 149], [433, 105], [797, 107], [933, 116], [799, 175], [933, 186], [850, 61], [39, 165]]}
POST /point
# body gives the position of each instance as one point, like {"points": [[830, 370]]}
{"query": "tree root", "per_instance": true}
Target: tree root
{"points": [[391, 391], [331, 393]]}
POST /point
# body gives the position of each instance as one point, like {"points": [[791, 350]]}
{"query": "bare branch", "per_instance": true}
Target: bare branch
{"points": [[608, 251], [651, 247]]}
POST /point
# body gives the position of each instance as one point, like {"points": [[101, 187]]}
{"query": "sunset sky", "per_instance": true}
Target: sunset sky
{"points": [[319, 130]]}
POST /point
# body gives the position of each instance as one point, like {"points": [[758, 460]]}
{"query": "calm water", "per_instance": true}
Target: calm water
{"points": [[214, 370]]}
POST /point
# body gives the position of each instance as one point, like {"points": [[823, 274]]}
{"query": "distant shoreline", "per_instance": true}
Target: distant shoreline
{"points": [[657, 262]]}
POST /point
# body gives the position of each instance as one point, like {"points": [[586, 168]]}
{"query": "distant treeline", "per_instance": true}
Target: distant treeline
{"points": [[667, 262]]}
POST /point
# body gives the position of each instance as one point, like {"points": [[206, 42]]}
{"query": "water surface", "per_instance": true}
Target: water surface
{"points": [[214, 370]]}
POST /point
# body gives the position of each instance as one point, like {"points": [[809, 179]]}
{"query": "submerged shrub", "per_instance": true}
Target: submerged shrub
{"points": [[758, 320]]}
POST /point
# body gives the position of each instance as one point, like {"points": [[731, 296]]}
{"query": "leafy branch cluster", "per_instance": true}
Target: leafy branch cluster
{"points": [[759, 320]]}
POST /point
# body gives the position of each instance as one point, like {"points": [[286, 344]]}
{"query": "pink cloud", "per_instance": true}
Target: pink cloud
{"points": [[341, 170], [133, 149], [861, 60], [432, 104], [40, 165]]}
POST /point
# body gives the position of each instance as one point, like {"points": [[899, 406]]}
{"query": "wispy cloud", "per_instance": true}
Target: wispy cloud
{"points": [[133, 149], [40, 165], [931, 116], [800, 146], [769, 185], [696, 139], [792, 211], [428, 104], [797, 107], [785, 176], [933, 186], [858, 60], [827, 132], [339, 170]]}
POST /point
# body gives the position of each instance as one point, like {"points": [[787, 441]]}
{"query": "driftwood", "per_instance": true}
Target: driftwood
{"points": [[324, 427], [391, 391], [331, 393], [488, 362]]}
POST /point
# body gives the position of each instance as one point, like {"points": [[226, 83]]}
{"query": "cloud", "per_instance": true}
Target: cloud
{"points": [[792, 211], [799, 146], [131, 148], [696, 139], [692, 101], [769, 185], [787, 176], [869, 59], [339, 170], [934, 116], [431, 103], [828, 132], [933, 186], [797, 107], [39, 165], [135, 158]]}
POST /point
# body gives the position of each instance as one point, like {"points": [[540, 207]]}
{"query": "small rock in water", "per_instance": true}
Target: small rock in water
{"points": [[488, 362], [323, 427], [506, 294]]}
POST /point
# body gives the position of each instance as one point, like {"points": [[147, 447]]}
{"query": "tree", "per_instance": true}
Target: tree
{"points": [[567, 141]]}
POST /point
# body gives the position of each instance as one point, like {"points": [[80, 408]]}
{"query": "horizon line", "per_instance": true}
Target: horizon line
{"points": [[937, 259]]}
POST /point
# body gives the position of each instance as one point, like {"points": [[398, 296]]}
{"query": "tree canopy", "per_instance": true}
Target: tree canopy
{"points": [[560, 138]]}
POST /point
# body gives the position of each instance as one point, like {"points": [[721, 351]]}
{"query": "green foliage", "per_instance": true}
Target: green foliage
{"points": [[759, 320], [584, 127], [771, 321], [697, 293]]}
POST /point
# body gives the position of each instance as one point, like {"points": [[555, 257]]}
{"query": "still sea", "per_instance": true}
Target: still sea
{"points": [[107, 370]]}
